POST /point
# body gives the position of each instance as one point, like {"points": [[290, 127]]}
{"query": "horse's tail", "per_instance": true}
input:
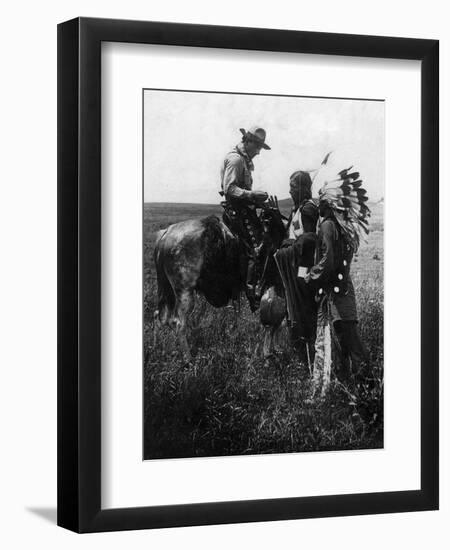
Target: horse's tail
{"points": [[219, 275], [166, 295]]}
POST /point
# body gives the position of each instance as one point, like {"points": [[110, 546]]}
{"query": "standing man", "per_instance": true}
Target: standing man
{"points": [[305, 212], [343, 214], [241, 202], [294, 258]]}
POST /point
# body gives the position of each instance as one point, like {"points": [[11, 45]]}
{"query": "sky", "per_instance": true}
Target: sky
{"points": [[188, 134]]}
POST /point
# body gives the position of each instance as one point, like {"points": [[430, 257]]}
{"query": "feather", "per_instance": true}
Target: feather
{"points": [[347, 203], [327, 156], [353, 175], [346, 196], [346, 188], [344, 172]]}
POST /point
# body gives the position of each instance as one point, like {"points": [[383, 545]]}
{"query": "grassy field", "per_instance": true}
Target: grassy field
{"points": [[228, 400]]}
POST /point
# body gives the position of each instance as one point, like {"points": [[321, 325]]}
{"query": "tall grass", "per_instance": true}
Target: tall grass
{"points": [[228, 400]]}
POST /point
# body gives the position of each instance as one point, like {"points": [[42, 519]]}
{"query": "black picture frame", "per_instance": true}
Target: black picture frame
{"points": [[79, 274]]}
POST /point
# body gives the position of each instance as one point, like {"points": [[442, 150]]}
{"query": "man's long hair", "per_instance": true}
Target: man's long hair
{"points": [[300, 184]]}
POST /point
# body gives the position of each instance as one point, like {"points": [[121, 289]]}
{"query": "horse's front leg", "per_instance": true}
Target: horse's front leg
{"points": [[184, 305], [236, 311], [268, 345], [156, 326]]}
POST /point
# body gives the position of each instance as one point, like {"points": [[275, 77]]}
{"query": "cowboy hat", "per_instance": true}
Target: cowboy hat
{"points": [[256, 134]]}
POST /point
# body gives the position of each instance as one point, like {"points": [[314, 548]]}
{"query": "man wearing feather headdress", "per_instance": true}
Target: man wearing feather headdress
{"points": [[343, 214]]}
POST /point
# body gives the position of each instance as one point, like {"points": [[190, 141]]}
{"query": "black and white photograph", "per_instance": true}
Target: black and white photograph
{"points": [[225, 287], [263, 283]]}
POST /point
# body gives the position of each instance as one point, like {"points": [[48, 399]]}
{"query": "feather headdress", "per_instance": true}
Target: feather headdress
{"points": [[344, 193]]}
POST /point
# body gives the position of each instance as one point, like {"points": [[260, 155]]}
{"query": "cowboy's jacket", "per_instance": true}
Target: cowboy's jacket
{"points": [[236, 175]]}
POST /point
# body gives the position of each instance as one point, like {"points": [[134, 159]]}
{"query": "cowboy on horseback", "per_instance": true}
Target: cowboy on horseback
{"points": [[241, 203]]}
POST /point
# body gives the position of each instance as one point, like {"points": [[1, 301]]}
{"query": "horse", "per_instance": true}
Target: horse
{"points": [[204, 256]]}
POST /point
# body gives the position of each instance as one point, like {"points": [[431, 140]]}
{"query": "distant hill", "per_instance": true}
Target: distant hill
{"points": [[182, 205], [186, 209], [285, 205]]}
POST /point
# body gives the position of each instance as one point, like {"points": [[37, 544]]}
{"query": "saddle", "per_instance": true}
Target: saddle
{"points": [[243, 222]]}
